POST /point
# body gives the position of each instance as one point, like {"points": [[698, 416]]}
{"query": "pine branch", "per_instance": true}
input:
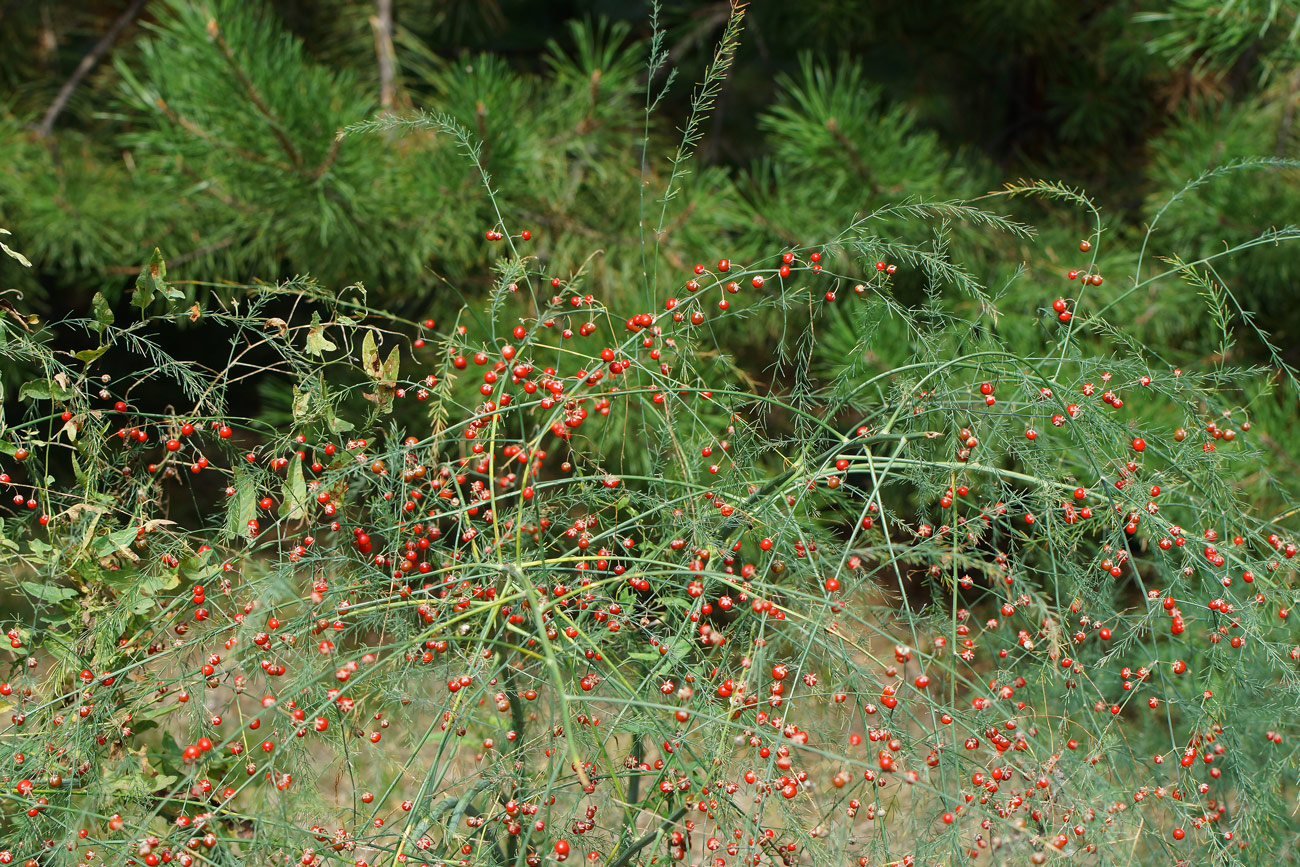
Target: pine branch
{"points": [[273, 120], [88, 63], [216, 142]]}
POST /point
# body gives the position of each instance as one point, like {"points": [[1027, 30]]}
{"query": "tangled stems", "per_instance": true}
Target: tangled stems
{"points": [[578, 593]]}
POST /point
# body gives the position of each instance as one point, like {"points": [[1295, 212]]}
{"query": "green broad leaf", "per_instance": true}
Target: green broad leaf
{"points": [[293, 506], [5, 541], [151, 281], [103, 312], [48, 592], [164, 782], [43, 389], [164, 763], [117, 542], [124, 784], [135, 776], [152, 586], [199, 567], [89, 355], [243, 505], [317, 343]]}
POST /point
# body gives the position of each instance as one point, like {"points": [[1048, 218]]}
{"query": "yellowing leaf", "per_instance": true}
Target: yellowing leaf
{"points": [[22, 260], [370, 357], [317, 343], [151, 281]]}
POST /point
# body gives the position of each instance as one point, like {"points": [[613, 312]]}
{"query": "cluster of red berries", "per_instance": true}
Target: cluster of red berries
{"points": [[588, 536]]}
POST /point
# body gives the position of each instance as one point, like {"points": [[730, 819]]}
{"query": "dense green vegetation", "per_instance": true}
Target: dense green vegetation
{"points": [[795, 435], [222, 150]]}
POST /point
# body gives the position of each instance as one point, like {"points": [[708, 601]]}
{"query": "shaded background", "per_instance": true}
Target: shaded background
{"points": [[208, 128]]}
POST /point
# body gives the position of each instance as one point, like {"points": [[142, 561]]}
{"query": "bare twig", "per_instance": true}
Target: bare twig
{"points": [[205, 250], [198, 131], [88, 63], [277, 127], [382, 23], [329, 157]]}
